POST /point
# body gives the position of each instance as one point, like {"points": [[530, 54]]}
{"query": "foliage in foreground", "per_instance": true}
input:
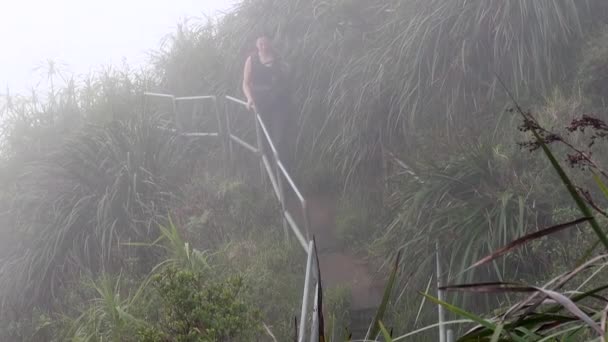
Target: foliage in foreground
{"points": [[189, 310], [182, 300], [372, 44], [175, 304], [547, 312]]}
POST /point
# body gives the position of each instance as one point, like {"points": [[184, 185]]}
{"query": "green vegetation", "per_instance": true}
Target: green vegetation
{"points": [[114, 229], [190, 312]]}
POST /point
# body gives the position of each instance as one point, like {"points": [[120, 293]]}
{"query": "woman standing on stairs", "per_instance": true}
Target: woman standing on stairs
{"points": [[265, 87]]}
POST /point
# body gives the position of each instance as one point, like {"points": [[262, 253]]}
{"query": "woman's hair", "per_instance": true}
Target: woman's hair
{"points": [[254, 49]]}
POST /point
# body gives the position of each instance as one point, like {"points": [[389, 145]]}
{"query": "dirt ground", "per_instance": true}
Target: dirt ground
{"points": [[338, 267]]}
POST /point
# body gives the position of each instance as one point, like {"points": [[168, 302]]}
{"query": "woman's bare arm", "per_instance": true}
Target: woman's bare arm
{"points": [[247, 81]]}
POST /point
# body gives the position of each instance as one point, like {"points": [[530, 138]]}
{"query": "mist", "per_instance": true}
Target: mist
{"points": [[284, 170], [83, 36]]}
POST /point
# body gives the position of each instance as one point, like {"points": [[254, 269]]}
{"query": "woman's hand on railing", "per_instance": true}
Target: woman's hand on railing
{"points": [[250, 104]]}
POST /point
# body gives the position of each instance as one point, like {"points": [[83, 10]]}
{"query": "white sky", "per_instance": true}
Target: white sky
{"points": [[85, 34]]}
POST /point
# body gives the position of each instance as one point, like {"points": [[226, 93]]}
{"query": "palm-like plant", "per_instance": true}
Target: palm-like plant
{"points": [[110, 315], [472, 203], [74, 208], [366, 73]]}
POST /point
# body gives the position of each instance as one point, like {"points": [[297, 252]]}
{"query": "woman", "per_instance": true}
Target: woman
{"points": [[265, 88]]}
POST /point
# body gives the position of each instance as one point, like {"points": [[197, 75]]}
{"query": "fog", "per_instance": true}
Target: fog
{"points": [[308, 170], [81, 36]]}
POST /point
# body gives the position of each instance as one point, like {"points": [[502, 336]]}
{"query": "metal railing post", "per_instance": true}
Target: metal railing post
{"points": [[229, 135], [258, 134], [222, 132], [306, 218], [304, 310], [314, 324], [145, 103], [440, 312], [279, 180], [174, 109], [450, 335], [279, 176]]}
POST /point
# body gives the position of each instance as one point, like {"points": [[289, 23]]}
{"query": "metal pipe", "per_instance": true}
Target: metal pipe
{"points": [[259, 122], [450, 336], [291, 182], [159, 95], [304, 310], [166, 96], [277, 184], [174, 108], [267, 135], [230, 136], [305, 214], [167, 129], [295, 229], [440, 312], [223, 136], [279, 180], [234, 99], [273, 181], [192, 98], [200, 134], [244, 144], [145, 103], [314, 325], [258, 136]]}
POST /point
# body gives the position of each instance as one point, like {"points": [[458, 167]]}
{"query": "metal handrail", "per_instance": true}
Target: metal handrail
{"points": [[175, 100], [267, 136], [291, 182], [234, 99], [271, 176], [303, 312], [296, 231], [276, 180], [159, 95], [303, 204], [190, 98], [244, 144], [276, 172], [281, 172], [288, 220], [314, 326]]}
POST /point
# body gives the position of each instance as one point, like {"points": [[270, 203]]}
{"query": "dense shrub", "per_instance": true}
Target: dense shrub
{"points": [[192, 309]]}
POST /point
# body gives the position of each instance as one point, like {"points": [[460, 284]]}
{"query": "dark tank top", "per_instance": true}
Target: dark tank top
{"points": [[265, 78]]}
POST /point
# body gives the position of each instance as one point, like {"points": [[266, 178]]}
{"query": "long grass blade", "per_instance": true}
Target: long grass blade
{"points": [[387, 336], [564, 301], [320, 317], [460, 312], [572, 308], [490, 287], [269, 332], [432, 326], [497, 333], [375, 327], [295, 325], [601, 184], [525, 239], [463, 313]]}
